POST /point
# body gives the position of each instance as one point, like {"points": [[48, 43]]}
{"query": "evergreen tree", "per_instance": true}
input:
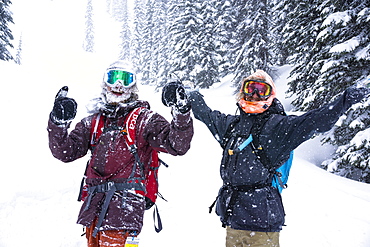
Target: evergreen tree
{"points": [[184, 38], [137, 37], [118, 9], [301, 31], [89, 28], [147, 44], [159, 67], [121, 14], [18, 57], [349, 64], [278, 47], [252, 38], [5, 33], [207, 71], [226, 24], [332, 53]]}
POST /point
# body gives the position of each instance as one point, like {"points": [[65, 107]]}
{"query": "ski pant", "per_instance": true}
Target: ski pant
{"points": [[106, 238], [242, 238]]}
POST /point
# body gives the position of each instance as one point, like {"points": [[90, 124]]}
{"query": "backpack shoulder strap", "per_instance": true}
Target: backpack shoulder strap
{"points": [[97, 125], [130, 126], [256, 145], [228, 132], [130, 137]]}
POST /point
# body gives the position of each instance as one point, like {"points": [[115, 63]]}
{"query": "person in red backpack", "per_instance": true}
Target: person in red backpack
{"points": [[115, 203]]}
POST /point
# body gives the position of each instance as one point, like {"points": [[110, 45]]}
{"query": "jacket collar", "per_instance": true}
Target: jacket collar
{"points": [[122, 109], [97, 105]]}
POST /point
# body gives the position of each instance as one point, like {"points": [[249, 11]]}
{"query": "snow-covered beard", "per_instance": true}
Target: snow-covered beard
{"points": [[118, 94], [112, 98]]}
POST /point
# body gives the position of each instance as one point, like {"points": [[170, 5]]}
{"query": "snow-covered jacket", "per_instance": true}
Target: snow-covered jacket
{"points": [[257, 206], [112, 161]]}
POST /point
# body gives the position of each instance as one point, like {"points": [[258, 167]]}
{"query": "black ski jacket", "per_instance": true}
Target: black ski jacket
{"points": [[247, 201]]}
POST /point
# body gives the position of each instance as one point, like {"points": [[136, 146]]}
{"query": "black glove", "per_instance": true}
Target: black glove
{"points": [[174, 94], [64, 109]]}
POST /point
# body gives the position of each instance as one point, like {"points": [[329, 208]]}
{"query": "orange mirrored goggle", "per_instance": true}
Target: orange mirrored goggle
{"points": [[261, 88]]}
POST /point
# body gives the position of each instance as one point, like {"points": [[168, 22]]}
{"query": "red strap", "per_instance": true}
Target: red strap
{"points": [[97, 125], [131, 125]]}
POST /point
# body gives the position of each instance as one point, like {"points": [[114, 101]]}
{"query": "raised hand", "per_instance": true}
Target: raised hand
{"points": [[174, 95], [64, 109]]}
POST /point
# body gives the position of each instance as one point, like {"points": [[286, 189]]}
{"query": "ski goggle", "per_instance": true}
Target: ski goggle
{"points": [[262, 88], [113, 76]]}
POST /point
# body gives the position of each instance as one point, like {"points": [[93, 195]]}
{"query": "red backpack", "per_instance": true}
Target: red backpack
{"points": [[151, 179]]}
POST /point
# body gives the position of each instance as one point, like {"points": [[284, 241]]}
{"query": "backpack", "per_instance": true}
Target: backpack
{"points": [[281, 174], [150, 181]]}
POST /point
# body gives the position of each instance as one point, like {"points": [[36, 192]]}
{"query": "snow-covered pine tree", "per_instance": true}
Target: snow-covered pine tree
{"points": [[300, 33], [150, 40], [226, 24], [88, 44], [117, 9], [207, 67], [349, 64], [251, 38], [148, 44], [121, 14], [280, 51], [159, 68], [167, 17], [332, 53], [5, 33], [184, 39], [18, 56], [137, 37]]}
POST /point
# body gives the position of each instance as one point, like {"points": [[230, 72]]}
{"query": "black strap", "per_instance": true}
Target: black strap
{"points": [[156, 218], [81, 189], [108, 197], [259, 123], [213, 204], [228, 132]]}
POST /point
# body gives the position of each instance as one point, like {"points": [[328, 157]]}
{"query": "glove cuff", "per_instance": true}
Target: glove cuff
{"points": [[184, 109], [59, 122]]}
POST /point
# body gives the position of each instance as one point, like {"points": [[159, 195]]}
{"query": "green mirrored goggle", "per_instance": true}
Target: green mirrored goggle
{"points": [[114, 76]]}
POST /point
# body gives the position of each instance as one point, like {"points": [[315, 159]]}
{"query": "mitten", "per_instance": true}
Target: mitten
{"points": [[174, 95], [64, 109]]}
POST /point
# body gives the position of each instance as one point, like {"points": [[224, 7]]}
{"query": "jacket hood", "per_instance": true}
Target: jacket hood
{"points": [[257, 106]]}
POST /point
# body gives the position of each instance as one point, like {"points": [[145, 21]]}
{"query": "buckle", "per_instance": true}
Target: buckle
{"points": [[133, 148], [108, 186]]}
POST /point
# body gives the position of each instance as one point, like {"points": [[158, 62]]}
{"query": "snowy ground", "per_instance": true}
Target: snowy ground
{"points": [[38, 205]]}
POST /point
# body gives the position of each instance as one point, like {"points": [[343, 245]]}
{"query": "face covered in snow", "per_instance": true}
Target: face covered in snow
{"points": [[119, 86]]}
